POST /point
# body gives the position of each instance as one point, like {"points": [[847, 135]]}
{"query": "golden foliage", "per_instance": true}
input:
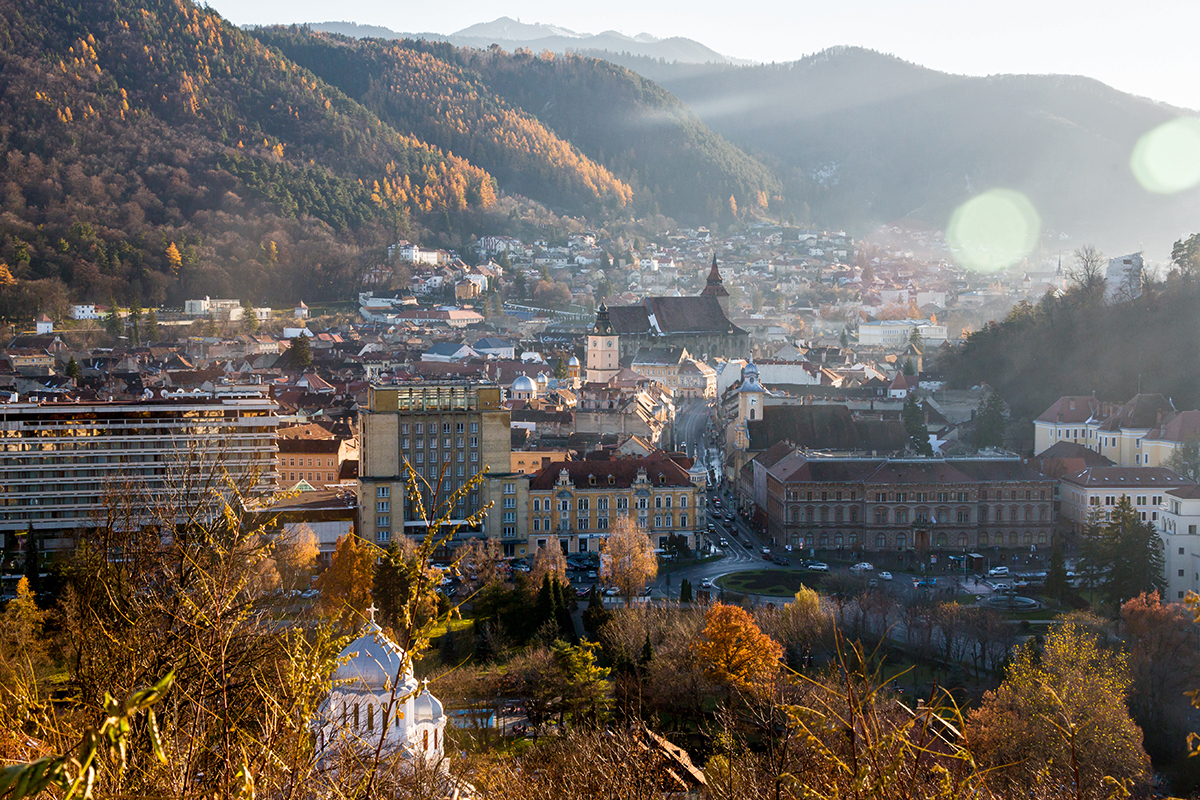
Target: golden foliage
{"points": [[734, 651]]}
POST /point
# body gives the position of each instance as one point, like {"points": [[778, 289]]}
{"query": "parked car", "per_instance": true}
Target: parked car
{"points": [[885, 576], [592, 575], [996, 572], [817, 566]]}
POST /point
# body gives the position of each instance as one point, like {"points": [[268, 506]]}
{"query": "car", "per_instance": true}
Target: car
{"points": [[611, 591], [782, 561], [583, 591], [591, 575], [706, 583], [997, 572], [766, 550], [885, 576], [724, 543], [712, 526], [817, 566], [1001, 588]]}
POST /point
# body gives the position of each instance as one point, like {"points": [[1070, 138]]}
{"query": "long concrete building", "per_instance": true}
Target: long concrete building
{"points": [[64, 466]]}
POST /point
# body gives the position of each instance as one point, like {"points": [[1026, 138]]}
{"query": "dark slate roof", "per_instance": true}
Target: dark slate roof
{"points": [[690, 315], [992, 470], [629, 319], [825, 428], [1064, 450], [1071, 409], [673, 315], [773, 455], [1129, 477], [623, 470], [1143, 411]]}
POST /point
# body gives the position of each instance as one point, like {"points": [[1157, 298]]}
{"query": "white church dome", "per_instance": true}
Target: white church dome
{"points": [[373, 662], [574, 362], [542, 379], [523, 383], [426, 707]]}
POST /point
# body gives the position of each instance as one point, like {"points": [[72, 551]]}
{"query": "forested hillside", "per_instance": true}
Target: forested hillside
{"points": [[1075, 344], [441, 103], [477, 103], [871, 139], [129, 127]]}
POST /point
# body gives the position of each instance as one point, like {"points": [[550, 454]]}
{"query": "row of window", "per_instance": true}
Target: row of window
{"points": [[902, 540], [419, 444], [419, 428], [292, 462], [583, 523], [602, 503]]}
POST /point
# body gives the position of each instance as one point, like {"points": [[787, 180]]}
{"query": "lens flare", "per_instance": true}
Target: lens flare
{"points": [[993, 230], [1167, 159]]}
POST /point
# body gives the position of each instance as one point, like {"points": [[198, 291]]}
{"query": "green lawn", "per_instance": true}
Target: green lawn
{"points": [[774, 582]]}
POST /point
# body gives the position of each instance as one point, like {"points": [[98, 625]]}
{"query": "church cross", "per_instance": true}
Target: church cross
{"points": [[371, 610]]}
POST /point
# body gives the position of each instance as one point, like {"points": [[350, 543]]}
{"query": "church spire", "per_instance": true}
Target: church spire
{"points": [[715, 286]]}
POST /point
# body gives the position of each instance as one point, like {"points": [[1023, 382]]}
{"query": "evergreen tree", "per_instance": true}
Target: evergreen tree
{"points": [[990, 422], [1056, 575], [917, 340], [647, 651], [113, 323], [73, 369], [844, 338], [1135, 555], [685, 591], [595, 615], [151, 333], [135, 322], [33, 559], [914, 424], [545, 610], [562, 611], [249, 318], [301, 350]]}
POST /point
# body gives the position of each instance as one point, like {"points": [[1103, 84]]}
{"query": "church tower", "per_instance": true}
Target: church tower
{"points": [[750, 406], [603, 349], [715, 287]]}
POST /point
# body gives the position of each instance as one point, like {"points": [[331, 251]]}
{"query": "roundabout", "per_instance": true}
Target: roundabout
{"points": [[770, 582]]}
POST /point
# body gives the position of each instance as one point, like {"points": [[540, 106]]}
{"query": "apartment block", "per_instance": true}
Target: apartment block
{"points": [[61, 462], [446, 431]]}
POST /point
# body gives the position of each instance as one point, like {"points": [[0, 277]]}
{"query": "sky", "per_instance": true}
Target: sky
{"points": [[1133, 46]]}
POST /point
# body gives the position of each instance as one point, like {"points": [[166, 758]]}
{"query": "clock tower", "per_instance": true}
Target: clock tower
{"points": [[750, 406], [603, 349]]}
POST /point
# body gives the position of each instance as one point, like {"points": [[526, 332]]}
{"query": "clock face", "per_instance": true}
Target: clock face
{"points": [[610, 342]]}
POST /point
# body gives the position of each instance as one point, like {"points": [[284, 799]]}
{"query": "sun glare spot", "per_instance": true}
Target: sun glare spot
{"points": [[1167, 159], [993, 230]]}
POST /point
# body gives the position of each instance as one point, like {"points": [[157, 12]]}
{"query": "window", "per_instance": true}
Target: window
{"points": [[510, 488], [445, 427], [881, 517], [510, 502], [383, 506], [474, 427], [983, 513], [383, 522], [418, 428], [383, 491], [964, 516], [564, 505], [537, 524], [537, 505], [854, 513], [683, 520], [901, 515], [602, 504], [658, 502]]}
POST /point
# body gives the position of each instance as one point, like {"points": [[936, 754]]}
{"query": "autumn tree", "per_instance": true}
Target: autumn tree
{"points": [[345, 585], [1060, 716], [627, 558], [1164, 663], [734, 651], [548, 560], [295, 553], [174, 259], [1185, 459], [22, 645]]}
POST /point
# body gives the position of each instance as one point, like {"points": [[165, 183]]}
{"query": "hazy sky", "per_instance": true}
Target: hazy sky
{"points": [[1143, 47]]}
